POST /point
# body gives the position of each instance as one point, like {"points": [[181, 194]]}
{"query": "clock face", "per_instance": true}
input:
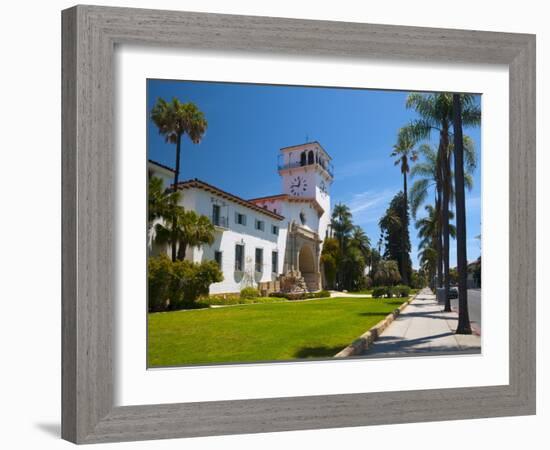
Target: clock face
{"points": [[298, 186]]}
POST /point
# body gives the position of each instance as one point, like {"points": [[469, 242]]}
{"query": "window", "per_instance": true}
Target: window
{"points": [[310, 157], [275, 262], [240, 218], [274, 229], [239, 258], [303, 217], [259, 225], [216, 214], [303, 159], [218, 258], [258, 267]]}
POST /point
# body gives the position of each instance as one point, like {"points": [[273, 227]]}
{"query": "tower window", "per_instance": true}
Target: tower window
{"points": [[303, 217], [310, 157], [303, 159]]}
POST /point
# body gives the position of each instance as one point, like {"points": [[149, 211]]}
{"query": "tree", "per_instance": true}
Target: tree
{"points": [[387, 273], [159, 201], [345, 255], [436, 115], [196, 231], [330, 259], [462, 262], [342, 226], [425, 172], [397, 241], [428, 229], [361, 241], [186, 228], [404, 151], [175, 119]]}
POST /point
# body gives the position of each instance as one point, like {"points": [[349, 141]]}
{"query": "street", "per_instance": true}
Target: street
{"points": [[474, 307]]}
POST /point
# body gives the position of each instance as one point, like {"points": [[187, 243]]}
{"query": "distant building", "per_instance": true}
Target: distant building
{"points": [[260, 240]]}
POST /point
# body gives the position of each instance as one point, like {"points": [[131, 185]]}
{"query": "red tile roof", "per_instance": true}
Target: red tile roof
{"points": [[199, 184]]}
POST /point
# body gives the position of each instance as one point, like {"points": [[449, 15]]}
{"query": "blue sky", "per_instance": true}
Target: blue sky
{"points": [[248, 124]]}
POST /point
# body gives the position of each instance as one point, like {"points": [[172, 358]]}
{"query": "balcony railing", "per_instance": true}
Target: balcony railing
{"points": [[294, 164], [220, 221]]}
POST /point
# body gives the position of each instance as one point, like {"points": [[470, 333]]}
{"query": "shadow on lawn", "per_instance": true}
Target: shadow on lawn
{"points": [[321, 351]]}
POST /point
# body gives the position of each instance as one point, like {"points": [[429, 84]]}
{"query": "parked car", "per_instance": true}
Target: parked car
{"points": [[453, 292]]}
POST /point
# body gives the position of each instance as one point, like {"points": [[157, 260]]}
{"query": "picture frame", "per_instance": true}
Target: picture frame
{"points": [[90, 34]]}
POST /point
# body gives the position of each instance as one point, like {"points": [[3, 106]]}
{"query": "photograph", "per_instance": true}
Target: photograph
{"points": [[300, 223]]}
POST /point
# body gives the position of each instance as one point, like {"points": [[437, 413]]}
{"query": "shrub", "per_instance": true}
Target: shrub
{"points": [[389, 291], [249, 292], [159, 279], [365, 283], [379, 292], [402, 290], [194, 279], [178, 284], [300, 295]]}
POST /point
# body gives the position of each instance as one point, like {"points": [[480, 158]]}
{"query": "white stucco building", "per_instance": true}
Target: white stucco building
{"points": [[258, 240]]}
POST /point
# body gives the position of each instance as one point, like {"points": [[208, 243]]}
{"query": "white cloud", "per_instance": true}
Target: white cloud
{"points": [[356, 168], [370, 205]]}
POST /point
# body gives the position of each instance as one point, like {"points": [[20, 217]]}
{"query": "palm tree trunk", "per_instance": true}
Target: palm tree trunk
{"points": [[404, 223], [182, 248], [444, 147], [176, 180], [462, 263], [439, 243]]}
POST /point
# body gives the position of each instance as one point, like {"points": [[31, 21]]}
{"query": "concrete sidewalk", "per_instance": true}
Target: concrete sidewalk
{"points": [[423, 328]]}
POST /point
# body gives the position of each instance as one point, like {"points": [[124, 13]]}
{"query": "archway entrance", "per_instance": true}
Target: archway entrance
{"points": [[306, 262], [307, 267]]}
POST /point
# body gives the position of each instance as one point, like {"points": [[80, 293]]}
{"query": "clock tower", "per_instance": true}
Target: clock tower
{"points": [[306, 172]]}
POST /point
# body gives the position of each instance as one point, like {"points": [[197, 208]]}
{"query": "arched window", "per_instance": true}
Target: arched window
{"points": [[310, 157], [303, 159]]}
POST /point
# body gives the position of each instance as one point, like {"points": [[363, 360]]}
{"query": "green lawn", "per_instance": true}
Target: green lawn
{"points": [[262, 332]]}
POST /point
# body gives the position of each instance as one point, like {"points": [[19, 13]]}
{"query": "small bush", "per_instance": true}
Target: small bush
{"points": [[402, 290], [300, 295], [178, 284], [379, 292], [390, 291], [249, 292]]}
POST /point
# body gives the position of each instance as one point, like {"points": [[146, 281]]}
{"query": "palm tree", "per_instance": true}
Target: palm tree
{"points": [[387, 272], [196, 231], [428, 261], [425, 172], [174, 119], [159, 200], [462, 262], [190, 230], [342, 226], [361, 241], [428, 231], [436, 115], [404, 151]]}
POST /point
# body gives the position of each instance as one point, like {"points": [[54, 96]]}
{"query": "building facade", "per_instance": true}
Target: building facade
{"points": [[258, 242]]}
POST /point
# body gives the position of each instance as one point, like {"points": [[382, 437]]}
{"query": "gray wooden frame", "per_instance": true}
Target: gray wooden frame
{"points": [[90, 34]]}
